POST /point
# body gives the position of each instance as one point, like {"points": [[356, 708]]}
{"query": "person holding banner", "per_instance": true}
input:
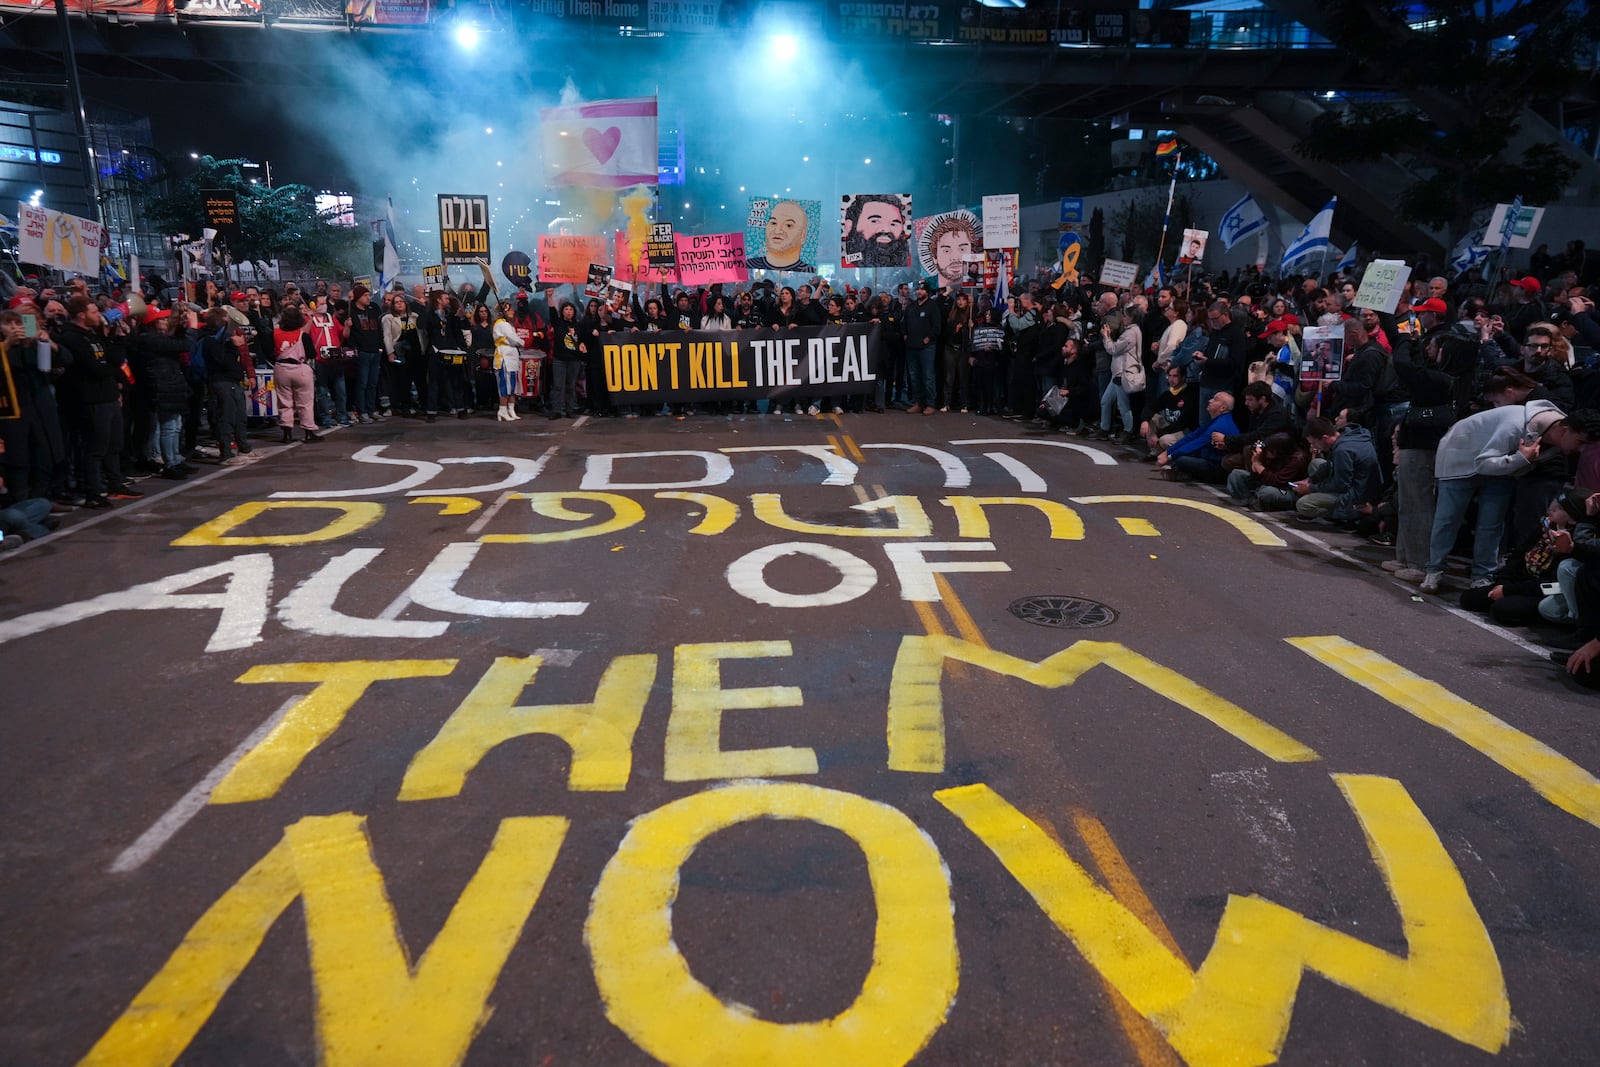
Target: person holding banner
{"points": [[446, 332], [507, 364]]}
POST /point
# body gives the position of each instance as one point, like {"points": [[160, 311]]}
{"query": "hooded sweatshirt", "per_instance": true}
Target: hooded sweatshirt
{"points": [[1486, 443], [1352, 472]]}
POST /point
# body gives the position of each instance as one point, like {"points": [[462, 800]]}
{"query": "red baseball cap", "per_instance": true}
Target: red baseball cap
{"points": [[1530, 284], [237, 294], [1276, 326], [155, 315], [1433, 304]]}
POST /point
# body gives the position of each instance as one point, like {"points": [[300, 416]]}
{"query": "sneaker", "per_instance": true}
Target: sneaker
{"points": [[97, 502], [125, 493], [1431, 580], [1410, 574], [11, 541], [1392, 565], [837, 410], [812, 409], [1482, 583], [1385, 539]]}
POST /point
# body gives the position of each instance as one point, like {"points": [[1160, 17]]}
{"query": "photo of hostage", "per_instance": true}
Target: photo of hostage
{"points": [[875, 230]]}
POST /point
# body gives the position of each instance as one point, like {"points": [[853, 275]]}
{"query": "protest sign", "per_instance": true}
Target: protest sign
{"points": [[661, 250], [463, 228], [1119, 274], [220, 208], [950, 247], [1383, 284], [633, 263], [781, 234], [1194, 246], [696, 365], [711, 257], [599, 280], [566, 257], [1322, 355], [1002, 221], [56, 239], [518, 269], [1518, 228], [10, 406], [434, 277], [875, 230]]}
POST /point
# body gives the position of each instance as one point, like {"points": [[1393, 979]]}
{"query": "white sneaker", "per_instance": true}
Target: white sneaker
{"points": [[1392, 566], [837, 410], [1431, 580], [1410, 574], [812, 410]]}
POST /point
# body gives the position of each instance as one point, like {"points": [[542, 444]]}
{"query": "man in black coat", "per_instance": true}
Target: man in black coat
{"points": [[94, 371]]}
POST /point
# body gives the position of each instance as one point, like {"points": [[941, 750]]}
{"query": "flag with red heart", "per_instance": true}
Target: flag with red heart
{"points": [[607, 143]]}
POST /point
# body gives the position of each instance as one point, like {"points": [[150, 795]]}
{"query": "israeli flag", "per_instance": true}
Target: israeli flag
{"points": [[1470, 250], [1508, 228], [1240, 221], [1348, 260], [1314, 238]]}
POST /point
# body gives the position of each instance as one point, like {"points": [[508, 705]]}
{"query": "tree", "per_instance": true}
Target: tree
{"points": [[1468, 74], [281, 222]]}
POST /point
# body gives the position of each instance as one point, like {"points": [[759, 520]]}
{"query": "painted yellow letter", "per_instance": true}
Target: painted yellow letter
{"points": [[973, 520], [625, 512], [353, 517], [1236, 1008], [1555, 777], [916, 701], [338, 685], [650, 993], [373, 1007], [694, 733], [600, 734]]}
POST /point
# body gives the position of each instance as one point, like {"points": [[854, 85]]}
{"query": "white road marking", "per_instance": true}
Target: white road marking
{"points": [[491, 511], [190, 804], [957, 475], [1101, 459], [1028, 480]]}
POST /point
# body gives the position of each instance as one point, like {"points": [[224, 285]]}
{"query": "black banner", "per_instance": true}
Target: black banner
{"points": [[463, 229], [221, 210], [671, 366]]}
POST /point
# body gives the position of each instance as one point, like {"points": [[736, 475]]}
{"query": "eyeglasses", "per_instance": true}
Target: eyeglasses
{"points": [[1537, 344]]}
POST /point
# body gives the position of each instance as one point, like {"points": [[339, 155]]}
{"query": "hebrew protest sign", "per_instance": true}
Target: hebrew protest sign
{"points": [[711, 257]]}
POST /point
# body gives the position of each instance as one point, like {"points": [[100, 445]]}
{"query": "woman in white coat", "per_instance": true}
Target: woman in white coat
{"points": [[507, 363]]}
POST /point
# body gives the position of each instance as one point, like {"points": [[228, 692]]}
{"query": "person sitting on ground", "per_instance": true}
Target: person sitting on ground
{"points": [[1170, 413], [1271, 467], [1264, 415], [1193, 454], [1517, 598], [1343, 480]]}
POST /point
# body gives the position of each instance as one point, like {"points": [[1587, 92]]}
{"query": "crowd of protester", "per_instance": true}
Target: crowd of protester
{"points": [[1473, 404]]}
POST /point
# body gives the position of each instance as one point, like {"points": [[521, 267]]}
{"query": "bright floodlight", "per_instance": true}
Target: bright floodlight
{"points": [[784, 46], [467, 36]]}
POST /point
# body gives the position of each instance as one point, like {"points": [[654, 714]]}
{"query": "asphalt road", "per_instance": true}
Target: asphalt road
{"points": [[530, 744]]}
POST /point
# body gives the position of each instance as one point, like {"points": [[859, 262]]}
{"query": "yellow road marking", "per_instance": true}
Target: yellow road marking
{"points": [[1120, 879], [1149, 1047], [853, 448], [958, 612], [1137, 527], [1552, 775]]}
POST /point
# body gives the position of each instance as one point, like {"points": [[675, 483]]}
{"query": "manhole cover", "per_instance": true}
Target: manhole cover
{"points": [[1065, 612]]}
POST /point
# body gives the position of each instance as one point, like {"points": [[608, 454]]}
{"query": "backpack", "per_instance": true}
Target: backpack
{"points": [[196, 367]]}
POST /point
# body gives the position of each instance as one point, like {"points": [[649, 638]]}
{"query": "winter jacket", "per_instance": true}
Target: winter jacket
{"points": [[158, 373], [94, 365], [1352, 472], [1486, 443], [1258, 428], [1227, 355], [1184, 406], [1198, 442], [923, 320]]}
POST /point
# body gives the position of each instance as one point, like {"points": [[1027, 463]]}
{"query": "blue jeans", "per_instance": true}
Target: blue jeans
{"points": [[369, 365], [25, 517], [919, 369], [1118, 396], [1455, 494], [168, 434]]}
